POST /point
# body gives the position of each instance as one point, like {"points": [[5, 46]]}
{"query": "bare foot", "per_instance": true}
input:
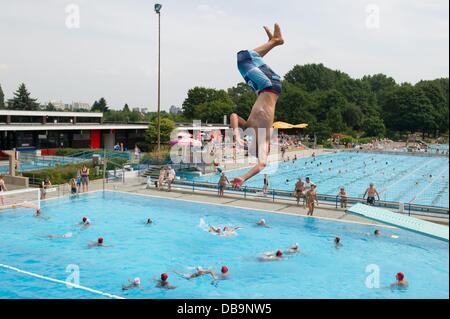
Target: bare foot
{"points": [[276, 37]]}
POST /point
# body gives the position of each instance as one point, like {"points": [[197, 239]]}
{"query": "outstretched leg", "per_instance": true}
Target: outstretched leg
{"points": [[275, 39]]}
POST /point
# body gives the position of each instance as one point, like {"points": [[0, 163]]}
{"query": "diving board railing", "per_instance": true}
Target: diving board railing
{"points": [[328, 200], [401, 221]]}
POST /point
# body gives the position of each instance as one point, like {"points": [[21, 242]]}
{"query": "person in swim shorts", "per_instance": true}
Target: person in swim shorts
{"points": [[2, 188], [222, 183], [267, 85], [371, 192], [343, 197], [298, 192], [73, 185]]}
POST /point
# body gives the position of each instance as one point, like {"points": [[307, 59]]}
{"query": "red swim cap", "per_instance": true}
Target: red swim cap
{"points": [[337, 239], [400, 276], [279, 253], [164, 277], [224, 269], [38, 211], [84, 219], [100, 240]]}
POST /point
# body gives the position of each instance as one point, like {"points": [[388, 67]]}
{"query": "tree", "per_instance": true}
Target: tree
{"points": [[352, 116], [2, 98], [374, 127], [22, 100], [126, 108], [100, 106], [312, 77], [166, 128], [214, 111], [200, 95], [50, 107], [295, 105]]}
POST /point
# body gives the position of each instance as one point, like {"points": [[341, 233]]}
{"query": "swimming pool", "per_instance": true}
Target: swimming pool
{"points": [[399, 178], [176, 242]]}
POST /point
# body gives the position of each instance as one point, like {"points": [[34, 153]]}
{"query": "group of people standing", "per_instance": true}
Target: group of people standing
{"points": [[80, 182], [166, 175]]}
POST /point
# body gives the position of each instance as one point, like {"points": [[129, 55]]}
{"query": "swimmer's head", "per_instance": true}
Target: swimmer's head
{"points": [[149, 221], [400, 276], [164, 277], [377, 232], [38, 211], [85, 219], [337, 240], [224, 269], [262, 221], [137, 281], [100, 240], [279, 253], [295, 246], [225, 228], [371, 184]]}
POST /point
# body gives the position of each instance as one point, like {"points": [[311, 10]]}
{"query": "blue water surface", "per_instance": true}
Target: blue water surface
{"points": [[176, 242]]}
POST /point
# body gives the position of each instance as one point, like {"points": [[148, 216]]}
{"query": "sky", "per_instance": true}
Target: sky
{"points": [[81, 50]]}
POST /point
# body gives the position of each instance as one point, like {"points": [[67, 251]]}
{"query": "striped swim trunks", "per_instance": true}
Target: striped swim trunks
{"points": [[257, 74]]}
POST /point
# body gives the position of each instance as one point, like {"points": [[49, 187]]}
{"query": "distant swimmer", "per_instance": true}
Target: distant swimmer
{"points": [[67, 235], [224, 273], [163, 283], [337, 242], [401, 282], [199, 271], [262, 223], [85, 222], [98, 243], [149, 221], [38, 214], [136, 283], [278, 255], [295, 249], [227, 231], [377, 232]]}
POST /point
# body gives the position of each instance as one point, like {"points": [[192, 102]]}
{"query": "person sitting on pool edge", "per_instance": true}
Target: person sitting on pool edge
{"points": [[267, 85], [163, 283]]}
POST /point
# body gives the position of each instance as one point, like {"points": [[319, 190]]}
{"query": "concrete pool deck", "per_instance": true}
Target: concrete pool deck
{"points": [[136, 186]]}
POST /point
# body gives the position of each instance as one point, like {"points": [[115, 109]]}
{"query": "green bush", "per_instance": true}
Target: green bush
{"points": [[68, 151], [60, 174]]}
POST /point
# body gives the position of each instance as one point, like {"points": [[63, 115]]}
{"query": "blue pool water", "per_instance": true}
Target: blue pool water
{"points": [[399, 178], [176, 242]]}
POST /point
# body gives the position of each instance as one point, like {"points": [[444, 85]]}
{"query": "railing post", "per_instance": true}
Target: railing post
{"points": [[245, 191], [273, 196]]}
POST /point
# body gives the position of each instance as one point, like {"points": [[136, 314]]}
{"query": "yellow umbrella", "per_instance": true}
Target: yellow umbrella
{"points": [[304, 125], [282, 125]]}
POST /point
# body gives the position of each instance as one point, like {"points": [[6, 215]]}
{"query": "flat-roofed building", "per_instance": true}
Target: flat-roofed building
{"points": [[47, 129]]}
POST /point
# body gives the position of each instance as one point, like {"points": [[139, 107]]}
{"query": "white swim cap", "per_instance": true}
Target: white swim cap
{"points": [[263, 220], [137, 281]]}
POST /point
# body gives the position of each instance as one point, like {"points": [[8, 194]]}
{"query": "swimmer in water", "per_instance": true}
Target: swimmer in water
{"points": [[295, 249], [149, 221], [67, 235], [136, 283], [337, 242], [163, 283], [85, 222], [215, 230], [401, 282], [377, 232], [262, 223], [98, 243], [227, 231], [278, 255], [38, 214], [198, 273]]}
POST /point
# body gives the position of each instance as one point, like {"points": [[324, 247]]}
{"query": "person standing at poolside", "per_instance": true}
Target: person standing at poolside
{"points": [[306, 188], [371, 192], [299, 191], [137, 153], [85, 178], [266, 184], [162, 177], [170, 177], [267, 85], [78, 181], [2, 188], [343, 197], [73, 186], [223, 181], [311, 199], [46, 184]]}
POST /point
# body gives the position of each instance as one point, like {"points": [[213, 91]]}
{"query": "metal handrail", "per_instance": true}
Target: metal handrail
{"points": [[332, 200]]}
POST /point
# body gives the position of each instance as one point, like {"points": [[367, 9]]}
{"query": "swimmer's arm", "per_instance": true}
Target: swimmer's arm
{"points": [[365, 193]]}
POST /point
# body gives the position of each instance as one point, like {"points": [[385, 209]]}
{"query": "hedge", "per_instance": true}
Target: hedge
{"points": [[60, 174]]}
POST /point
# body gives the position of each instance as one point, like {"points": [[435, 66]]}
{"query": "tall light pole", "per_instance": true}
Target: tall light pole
{"points": [[158, 119]]}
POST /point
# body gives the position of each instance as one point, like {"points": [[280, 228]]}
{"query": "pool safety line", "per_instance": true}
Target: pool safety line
{"points": [[250, 208], [428, 186], [98, 292], [404, 177]]}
